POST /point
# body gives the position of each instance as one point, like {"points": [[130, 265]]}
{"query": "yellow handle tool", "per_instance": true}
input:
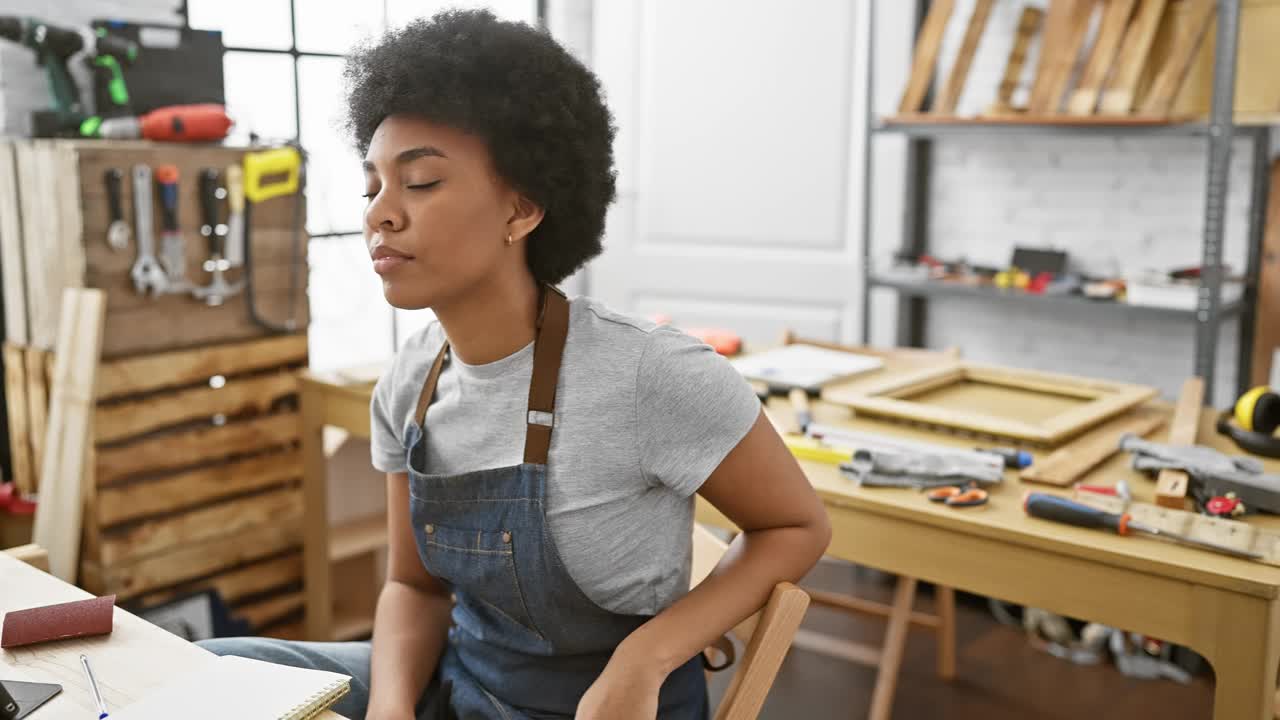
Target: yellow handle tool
{"points": [[271, 173]]}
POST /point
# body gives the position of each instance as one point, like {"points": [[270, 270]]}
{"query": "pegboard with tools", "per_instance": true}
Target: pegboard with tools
{"points": [[163, 231]]}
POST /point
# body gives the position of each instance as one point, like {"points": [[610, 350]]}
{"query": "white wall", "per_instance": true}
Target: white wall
{"points": [[23, 87], [1111, 203]]}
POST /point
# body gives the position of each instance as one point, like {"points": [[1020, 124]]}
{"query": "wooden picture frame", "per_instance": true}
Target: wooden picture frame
{"points": [[1068, 405]]}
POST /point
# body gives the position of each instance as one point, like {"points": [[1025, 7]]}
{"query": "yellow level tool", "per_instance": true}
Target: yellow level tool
{"points": [[807, 448]]}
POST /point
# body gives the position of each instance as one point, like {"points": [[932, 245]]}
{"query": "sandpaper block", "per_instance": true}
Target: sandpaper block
{"points": [[57, 622]]}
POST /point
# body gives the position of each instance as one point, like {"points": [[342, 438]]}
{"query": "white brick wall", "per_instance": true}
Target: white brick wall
{"points": [[23, 87], [1112, 203]]}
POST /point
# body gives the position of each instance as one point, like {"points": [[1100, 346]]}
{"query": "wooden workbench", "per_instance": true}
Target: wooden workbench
{"points": [[1226, 609], [135, 658]]}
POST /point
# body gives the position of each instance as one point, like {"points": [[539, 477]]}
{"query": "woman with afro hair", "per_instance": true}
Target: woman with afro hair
{"points": [[542, 453]]}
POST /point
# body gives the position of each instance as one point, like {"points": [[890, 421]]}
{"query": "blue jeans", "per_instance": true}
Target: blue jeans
{"points": [[348, 658]]}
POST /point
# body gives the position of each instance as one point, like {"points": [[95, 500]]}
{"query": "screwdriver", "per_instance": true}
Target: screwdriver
{"points": [[1058, 509]]}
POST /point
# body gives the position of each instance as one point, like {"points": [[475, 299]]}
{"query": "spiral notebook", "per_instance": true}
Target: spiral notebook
{"points": [[236, 687]]}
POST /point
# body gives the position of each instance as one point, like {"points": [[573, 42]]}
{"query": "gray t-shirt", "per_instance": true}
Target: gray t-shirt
{"points": [[644, 413]]}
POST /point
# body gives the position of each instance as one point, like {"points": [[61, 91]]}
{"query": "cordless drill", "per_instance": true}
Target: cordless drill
{"points": [[54, 47]]}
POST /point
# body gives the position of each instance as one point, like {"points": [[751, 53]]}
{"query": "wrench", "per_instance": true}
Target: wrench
{"points": [[147, 274]]}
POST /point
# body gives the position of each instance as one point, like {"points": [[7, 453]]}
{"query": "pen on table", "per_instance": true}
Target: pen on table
{"points": [[93, 685]]}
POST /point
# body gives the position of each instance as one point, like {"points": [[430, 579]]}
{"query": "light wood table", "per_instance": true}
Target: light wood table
{"points": [[135, 658], [1224, 608]]}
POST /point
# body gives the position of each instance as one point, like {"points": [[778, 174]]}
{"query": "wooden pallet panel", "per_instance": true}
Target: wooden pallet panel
{"points": [[255, 394], [1029, 23], [271, 611], [1169, 81], [949, 98], [1115, 20], [157, 536], [1122, 87], [129, 580], [195, 488], [925, 59], [12, 263], [190, 448], [253, 579], [161, 371], [15, 382]]}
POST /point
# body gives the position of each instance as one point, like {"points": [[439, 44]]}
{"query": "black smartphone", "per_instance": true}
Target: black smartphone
{"points": [[8, 706]]}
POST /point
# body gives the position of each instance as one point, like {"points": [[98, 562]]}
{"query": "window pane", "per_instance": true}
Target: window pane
{"points": [[326, 26], [350, 320], [335, 181], [244, 23], [260, 94], [400, 12]]}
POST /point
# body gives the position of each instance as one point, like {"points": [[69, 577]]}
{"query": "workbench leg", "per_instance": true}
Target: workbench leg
{"points": [[315, 518], [1240, 636], [945, 600], [895, 641]]}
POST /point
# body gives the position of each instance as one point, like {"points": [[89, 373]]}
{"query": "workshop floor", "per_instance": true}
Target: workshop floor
{"points": [[1000, 677]]}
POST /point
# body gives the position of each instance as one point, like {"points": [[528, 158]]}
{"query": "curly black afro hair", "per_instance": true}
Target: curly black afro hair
{"points": [[540, 112]]}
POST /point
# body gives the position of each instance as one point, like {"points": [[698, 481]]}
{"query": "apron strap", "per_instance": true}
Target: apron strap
{"points": [[548, 348], [429, 387]]}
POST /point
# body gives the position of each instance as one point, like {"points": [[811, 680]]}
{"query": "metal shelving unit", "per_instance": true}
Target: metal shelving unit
{"points": [[1218, 132]]}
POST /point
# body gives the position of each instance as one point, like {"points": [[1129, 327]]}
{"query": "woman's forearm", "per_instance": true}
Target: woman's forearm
{"points": [[739, 586], [409, 633]]}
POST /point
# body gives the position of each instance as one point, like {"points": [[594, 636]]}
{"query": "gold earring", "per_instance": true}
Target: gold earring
{"points": [[510, 242]]}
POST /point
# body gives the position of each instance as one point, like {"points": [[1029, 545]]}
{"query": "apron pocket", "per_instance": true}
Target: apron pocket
{"points": [[482, 565]]}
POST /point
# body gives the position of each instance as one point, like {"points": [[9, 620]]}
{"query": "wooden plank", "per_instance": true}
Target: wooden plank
{"points": [[255, 394], [43, 297], [1115, 20], [928, 44], [15, 388], [161, 535], [950, 96], [134, 501], [12, 262], [1159, 100], [895, 642], [1069, 463], [1063, 61], [164, 326], [190, 562], [37, 408], [64, 468], [1057, 18], [272, 610], [238, 583], [149, 373], [31, 554], [1171, 485], [1266, 333], [189, 448], [1029, 24], [1121, 89], [315, 489]]}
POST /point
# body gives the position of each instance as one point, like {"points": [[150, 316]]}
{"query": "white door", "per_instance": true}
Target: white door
{"points": [[740, 163]]}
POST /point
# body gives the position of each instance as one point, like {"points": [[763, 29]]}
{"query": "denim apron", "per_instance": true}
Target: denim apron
{"points": [[526, 642]]}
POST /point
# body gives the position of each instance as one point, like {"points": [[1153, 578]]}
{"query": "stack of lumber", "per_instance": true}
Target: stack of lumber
{"points": [[1112, 61]]}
